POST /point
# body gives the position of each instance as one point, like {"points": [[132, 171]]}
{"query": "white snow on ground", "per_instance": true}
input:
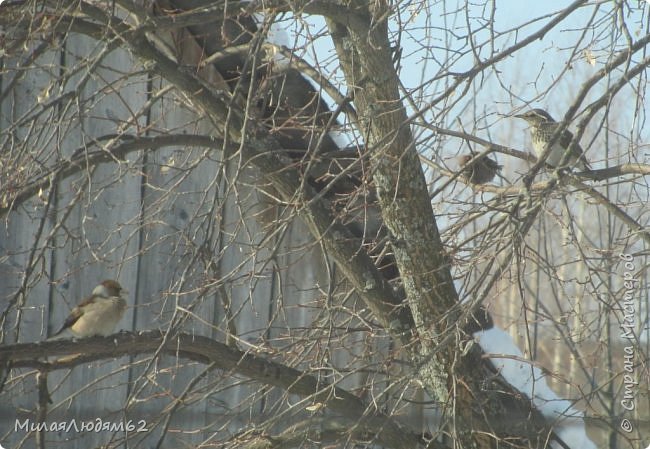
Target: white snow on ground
{"points": [[528, 379]]}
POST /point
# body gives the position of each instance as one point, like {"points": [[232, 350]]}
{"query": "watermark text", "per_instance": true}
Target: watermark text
{"points": [[628, 325], [95, 425]]}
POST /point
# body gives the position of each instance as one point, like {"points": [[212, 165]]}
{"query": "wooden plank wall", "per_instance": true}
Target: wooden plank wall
{"points": [[179, 228]]}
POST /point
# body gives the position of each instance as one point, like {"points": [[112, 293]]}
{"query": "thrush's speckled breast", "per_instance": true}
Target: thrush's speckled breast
{"points": [[542, 127]]}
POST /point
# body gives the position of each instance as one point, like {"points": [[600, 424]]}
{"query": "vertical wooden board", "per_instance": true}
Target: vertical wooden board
{"points": [[304, 274], [176, 223], [296, 308], [181, 223], [27, 264], [247, 274], [303, 278], [181, 203], [239, 263], [24, 255], [100, 237], [182, 213], [181, 186], [246, 265]]}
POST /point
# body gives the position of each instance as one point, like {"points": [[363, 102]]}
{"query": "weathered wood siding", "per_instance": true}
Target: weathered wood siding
{"points": [[186, 231]]}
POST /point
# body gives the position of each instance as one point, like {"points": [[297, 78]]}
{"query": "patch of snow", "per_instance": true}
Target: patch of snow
{"points": [[508, 359], [341, 139]]}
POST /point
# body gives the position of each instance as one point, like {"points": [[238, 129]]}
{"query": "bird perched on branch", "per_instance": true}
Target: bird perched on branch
{"points": [[542, 127], [99, 313], [482, 171]]}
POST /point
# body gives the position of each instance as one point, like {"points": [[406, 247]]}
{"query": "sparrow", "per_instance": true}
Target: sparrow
{"points": [[99, 313], [542, 127], [482, 171]]}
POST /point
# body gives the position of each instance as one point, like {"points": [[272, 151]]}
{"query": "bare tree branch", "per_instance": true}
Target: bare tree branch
{"points": [[208, 351]]}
